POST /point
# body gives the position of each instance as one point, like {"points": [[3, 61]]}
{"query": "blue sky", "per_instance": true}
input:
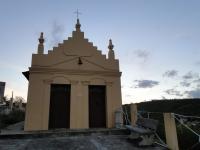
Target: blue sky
{"points": [[157, 42]]}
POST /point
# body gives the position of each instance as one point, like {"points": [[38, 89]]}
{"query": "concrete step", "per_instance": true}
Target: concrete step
{"points": [[62, 132]]}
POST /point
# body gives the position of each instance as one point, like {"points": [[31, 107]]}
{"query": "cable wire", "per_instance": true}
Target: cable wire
{"points": [[188, 128]]}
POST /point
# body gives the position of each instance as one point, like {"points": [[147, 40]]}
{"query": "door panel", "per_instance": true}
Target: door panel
{"points": [[59, 113], [97, 106]]}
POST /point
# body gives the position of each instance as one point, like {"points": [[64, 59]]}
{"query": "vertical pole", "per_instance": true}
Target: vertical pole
{"points": [[11, 102], [20, 105], [148, 115], [133, 111], [170, 131]]}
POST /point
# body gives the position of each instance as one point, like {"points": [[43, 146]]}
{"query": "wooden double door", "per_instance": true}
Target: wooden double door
{"points": [[59, 112]]}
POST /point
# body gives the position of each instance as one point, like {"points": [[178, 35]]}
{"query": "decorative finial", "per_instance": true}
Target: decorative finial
{"points": [[40, 45], [41, 39], [111, 54], [110, 46], [78, 25]]}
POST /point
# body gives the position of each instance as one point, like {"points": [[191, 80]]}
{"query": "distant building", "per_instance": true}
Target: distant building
{"points": [[2, 89]]}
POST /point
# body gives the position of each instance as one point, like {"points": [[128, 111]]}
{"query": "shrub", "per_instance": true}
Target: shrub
{"points": [[11, 118]]}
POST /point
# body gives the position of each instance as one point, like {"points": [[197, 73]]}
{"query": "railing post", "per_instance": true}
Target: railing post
{"points": [[170, 131], [133, 111], [118, 118]]}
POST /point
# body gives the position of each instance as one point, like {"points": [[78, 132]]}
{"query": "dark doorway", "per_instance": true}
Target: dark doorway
{"points": [[97, 106], [59, 112]]}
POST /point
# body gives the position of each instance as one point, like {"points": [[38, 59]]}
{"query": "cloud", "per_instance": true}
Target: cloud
{"points": [[197, 81], [56, 33], [190, 75], [146, 83], [191, 79], [170, 73], [163, 97], [142, 54], [173, 92], [185, 83], [197, 63], [193, 93]]}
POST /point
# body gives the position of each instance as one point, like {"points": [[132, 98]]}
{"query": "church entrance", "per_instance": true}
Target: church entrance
{"points": [[97, 106], [59, 112]]}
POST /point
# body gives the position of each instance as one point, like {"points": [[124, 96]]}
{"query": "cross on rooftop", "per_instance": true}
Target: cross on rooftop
{"points": [[77, 13]]}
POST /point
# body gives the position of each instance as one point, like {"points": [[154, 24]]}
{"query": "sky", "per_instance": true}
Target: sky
{"points": [[157, 42]]}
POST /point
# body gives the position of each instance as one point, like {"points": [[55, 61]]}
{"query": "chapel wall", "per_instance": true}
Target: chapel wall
{"points": [[37, 115]]}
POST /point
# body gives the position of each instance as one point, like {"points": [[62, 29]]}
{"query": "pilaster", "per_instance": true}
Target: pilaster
{"points": [[110, 112], [46, 104], [74, 105]]}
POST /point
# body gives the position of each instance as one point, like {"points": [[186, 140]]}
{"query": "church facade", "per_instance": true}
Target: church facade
{"points": [[74, 86]]}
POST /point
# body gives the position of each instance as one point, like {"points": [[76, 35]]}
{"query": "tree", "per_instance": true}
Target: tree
{"points": [[4, 99], [19, 99]]}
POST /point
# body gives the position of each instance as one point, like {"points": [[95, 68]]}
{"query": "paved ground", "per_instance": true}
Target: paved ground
{"points": [[92, 142], [14, 128], [14, 138]]}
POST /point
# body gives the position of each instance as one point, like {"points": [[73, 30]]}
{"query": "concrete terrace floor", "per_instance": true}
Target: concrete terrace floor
{"points": [[92, 142], [62, 139]]}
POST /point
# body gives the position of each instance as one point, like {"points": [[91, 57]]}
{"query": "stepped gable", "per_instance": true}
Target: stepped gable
{"points": [[75, 53]]}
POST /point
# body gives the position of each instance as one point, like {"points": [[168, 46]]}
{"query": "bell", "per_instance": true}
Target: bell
{"points": [[80, 61]]}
